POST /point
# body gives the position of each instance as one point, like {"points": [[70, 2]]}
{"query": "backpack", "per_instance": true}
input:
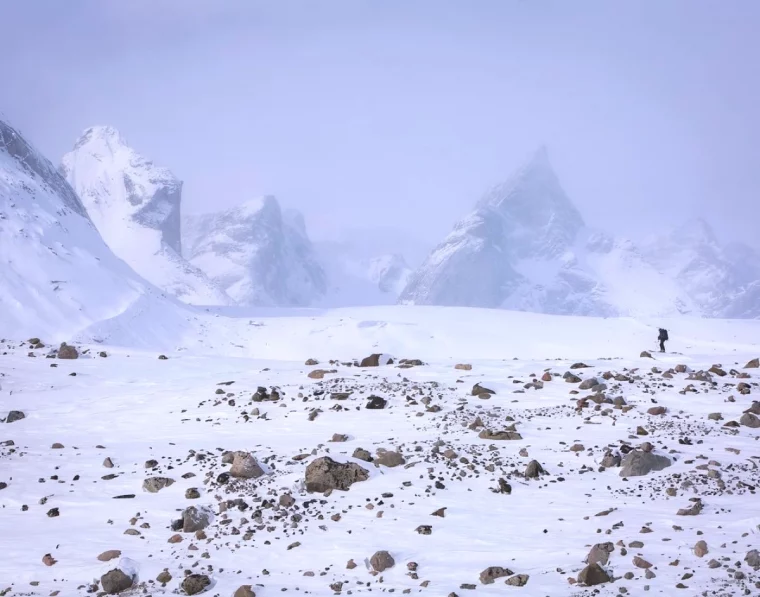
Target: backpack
{"points": [[663, 334]]}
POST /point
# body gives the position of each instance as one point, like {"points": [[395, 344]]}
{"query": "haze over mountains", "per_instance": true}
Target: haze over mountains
{"points": [[525, 246]]}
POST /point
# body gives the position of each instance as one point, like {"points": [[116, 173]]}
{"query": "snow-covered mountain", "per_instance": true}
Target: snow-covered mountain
{"points": [[723, 281], [136, 207], [57, 276], [257, 254], [526, 247]]}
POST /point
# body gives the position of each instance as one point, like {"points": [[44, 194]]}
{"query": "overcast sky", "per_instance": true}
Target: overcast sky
{"points": [[402, 113]]}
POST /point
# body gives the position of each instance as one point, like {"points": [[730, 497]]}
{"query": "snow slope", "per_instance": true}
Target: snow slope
{"points": [[123, 410], [526, 247], [136, 207], [257, 254], [57, 276]]}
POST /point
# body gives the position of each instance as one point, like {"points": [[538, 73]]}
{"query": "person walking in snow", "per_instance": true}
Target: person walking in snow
{"points": [[663, 337]]}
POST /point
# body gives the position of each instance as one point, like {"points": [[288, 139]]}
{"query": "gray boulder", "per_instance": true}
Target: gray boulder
{"points": [[324, 474], [750, 420], [245, 466], [638, 463], [593, 575], [389, 458], [195, 584], [195, 519], [156, 484], [67, 352], [381, 561], [600, 553], [490, 574], [14, 415]]}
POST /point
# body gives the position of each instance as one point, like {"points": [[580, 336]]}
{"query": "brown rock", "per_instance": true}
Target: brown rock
{"points": [[111, 554], [244, 591], [463, 367], [324, 474], [49, 560], [115, 582], [641, 562], [657, 410], [753, 364], [245, 466], [700, 549], [593, 575], [490, 574], [67, 352], [381, 561]]}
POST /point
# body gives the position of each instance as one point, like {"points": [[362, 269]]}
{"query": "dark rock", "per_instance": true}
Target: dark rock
{"points": [[376, 403], [534, 470], [593, 575], [381, 561], [14, 415], [324, 474], [195, 584], [373, 360], [67, 352], [115, 581]]}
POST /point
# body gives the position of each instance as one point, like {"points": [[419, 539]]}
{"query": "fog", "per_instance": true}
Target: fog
{"points": [[398, 115]]}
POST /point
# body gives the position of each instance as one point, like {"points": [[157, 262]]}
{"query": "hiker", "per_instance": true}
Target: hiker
{"points": [[663, 337]]}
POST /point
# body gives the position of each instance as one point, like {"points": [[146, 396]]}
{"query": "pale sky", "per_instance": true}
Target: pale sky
{"points": [[402, 113]]}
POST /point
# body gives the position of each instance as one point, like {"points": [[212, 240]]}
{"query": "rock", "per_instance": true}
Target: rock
{"points": [[743, 388], [311, 362], [641, 562], [646, 355], [317, 373], [195, 584], [164, 577], [611, 460], [109, 555], [753, 559], [534, 470], [490, 574], [163, 357], [49, 560], [14, 415], [381, 561], [477, 390], [362, 454], [518, 580], [245, 466], [56, 446], [324, 474], [589, 383], [593, 575], [700, 549], [579, 366], [376, 403], [244, 591], [156, 484], [499, 435], [389, 458], [195, 519], [570, 378], [192, 493], [657, 410], [600, 553], [715, 417], [115, 581], [103, 354], [374, 359], [638, 463], [753, 364], [692, 510], [339, 438], [67, 352], [750, 420], [108, 463], [463, 366]]}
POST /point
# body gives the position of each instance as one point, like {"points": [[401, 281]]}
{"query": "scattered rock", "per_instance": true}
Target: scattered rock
{"points": [[324, 474], [600, 553], [641, 562], [115, 581], [109, 555], [49, 560], [164, 577], [463, 366], [381, 561], [750, 420], [374, 360], [311, 362], [389, 458], [362, 454], [657, 410]]}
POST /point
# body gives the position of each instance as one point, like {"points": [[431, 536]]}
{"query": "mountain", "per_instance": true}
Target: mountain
{"points": [[136, 207], [526, 247], [257, 254], [57, 276], [723, 281]]}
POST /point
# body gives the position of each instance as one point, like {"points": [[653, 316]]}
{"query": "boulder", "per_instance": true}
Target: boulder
{"points": [[156, 484], [245, 466], [589, 383], [244, 591], [753, 559], [195, 519], [518, 580], [389, 458], [750, 420], [638, 463], [646, 354], [324, 474], [477, 390], [753, 364], [490, 574], [109, 555], [600, 553], [115, 582], [362, 454], [499, 435], [375, 360], [381, 561], [463, 366], [14, 415], [593, 575], [376, 403], [534, 470], [67, 352], [700, 549], [195, 584]]}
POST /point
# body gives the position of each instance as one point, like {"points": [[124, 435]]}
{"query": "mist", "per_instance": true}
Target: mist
{"points": [[398, 116]]}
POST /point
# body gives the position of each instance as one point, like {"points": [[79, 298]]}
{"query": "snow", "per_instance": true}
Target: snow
{"points": [[136, 207], [138, 407]]}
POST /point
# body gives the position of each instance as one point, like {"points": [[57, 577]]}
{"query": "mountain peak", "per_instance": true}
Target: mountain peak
{"points": [[104, 133]]}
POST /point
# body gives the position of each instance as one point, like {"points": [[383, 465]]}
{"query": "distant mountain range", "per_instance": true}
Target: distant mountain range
{"points": [[106, 231]]}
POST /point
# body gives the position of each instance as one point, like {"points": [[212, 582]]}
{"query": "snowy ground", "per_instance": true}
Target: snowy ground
{"points": [[132, 407]]}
